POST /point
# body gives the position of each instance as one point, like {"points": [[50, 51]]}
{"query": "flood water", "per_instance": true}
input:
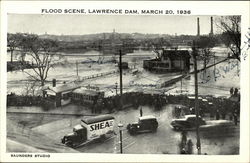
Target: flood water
{"points": [[215, 81]]}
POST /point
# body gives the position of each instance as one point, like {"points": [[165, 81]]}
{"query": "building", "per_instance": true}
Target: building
{"points": [[61, 95], [170, 61], [124, 65]]}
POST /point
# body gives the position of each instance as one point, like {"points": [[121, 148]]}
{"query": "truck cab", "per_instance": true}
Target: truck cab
{"points": [[144, 124], [78, 136]]}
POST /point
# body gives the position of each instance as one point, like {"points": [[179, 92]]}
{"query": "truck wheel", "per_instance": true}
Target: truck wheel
{"points": [[102, 137], [70, 144]]}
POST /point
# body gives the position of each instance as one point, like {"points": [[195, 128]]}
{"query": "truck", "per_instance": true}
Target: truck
{"points": [[90, 129]]}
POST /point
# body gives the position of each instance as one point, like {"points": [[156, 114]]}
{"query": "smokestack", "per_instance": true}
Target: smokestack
{"points": [[198, 27], [212, 29], [54, 82]]}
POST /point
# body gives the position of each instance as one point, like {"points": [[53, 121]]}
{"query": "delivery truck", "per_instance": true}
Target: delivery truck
{"points": [[90, 129]]}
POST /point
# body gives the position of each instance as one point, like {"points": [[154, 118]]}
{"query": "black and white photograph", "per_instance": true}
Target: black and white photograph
{"points": [[141, 83]]}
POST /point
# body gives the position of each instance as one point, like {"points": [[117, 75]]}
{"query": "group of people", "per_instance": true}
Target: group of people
{"points": [[185, 146], [20, 100], [234, 91]]}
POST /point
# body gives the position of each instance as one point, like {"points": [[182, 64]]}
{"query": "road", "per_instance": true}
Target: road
{"points": [[164, 141]]}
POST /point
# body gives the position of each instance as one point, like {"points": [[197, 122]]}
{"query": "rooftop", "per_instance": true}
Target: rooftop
{"points": [[86, 91], [147, 117], [176, 53], [63, 88], [97, 119]]}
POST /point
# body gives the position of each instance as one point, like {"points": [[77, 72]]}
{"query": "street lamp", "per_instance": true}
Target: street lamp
{"points": [[120, 125]]}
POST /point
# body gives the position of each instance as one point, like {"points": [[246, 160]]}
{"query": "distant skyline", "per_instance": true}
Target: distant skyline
{"points": [[91, 24]]}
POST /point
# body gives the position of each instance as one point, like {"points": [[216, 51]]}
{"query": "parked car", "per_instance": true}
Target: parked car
{"points": [[145, 124], [186, 123]]}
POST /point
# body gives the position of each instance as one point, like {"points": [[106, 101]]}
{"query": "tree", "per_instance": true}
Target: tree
{"points": [[231, 33], [30, 88], [42, 51], [205, 44], [13, 41]]}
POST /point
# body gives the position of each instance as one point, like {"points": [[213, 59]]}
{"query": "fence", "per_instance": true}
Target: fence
{"points": [[98, 75]]}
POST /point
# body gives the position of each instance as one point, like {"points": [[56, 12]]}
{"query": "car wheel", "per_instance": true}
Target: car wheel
{"points": [[132, 131], [154, 130]]}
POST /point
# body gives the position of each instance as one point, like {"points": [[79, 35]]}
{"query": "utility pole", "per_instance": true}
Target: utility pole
{"points": [[181, 84], [198, 144], [120, 67], [214, 68], [76, 68], [181, 71]]}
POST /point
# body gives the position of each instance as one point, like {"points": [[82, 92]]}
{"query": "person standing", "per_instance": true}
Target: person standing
{"points": [[184, 138], [141, 112], [235, 91], [190, 146], [217, 114], [231, 91]]}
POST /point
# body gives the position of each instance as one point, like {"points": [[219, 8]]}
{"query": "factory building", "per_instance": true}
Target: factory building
{"points": [[170, 61]]}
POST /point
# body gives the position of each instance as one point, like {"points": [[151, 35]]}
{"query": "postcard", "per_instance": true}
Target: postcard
{"points": [[125, 81]]}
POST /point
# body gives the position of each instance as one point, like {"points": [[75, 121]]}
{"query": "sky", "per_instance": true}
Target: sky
{"points": [[90, 24]]}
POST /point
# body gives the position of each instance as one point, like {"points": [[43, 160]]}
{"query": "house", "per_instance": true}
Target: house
{"points": [[170, 61], [61, 95], [124, 65]]}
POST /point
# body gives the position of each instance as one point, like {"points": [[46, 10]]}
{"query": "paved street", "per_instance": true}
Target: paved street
{"points": [[164, 141]]}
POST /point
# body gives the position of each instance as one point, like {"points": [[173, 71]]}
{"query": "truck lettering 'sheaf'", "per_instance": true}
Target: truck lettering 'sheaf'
{"points": [[107, 124], [98, 126], [92, 127], [101, 125]]}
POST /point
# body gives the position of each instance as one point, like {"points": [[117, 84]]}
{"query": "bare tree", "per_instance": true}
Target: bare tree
{"points": [[205, 44], [30, 88], [13, 41], [230, 27], [42, 51]]}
